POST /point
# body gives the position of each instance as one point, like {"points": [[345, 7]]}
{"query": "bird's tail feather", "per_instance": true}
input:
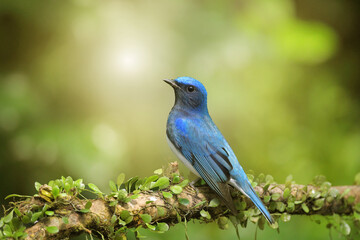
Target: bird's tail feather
{"points": [[246, 188]]}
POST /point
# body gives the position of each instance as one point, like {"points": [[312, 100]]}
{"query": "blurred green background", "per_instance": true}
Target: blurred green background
{"points": [[81, 91]]}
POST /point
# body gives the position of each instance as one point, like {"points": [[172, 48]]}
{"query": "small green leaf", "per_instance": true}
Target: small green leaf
{"points": [[290, 207], [162, 227], [94, 188], [205, 214], [146, 218], [286, 193], [176, 178], [52, 229], [357, 179], [88, 205], [134, 196], [113, 219], [150, 179], [18, 213], [49, 213], [8, 217], [214, 202], [184, 183], [280, 206], [120, 179], [167, 194], [35, 216], [112, 186], [55, 191], [161, 183], [176, 189], [160, 211], [151, 227], [184, 201], [85, 210], [275, 196], [158, 171], [267, 198], [223, 223], [37, 186], [65, 220], [285, 217], [305, 208], [113, 203], [345, 228]]}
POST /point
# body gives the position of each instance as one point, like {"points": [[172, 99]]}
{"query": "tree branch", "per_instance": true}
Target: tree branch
{"points": [[70, 218]]}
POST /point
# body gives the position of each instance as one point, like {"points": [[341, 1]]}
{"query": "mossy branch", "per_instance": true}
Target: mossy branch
{"points": [[110, 216]]}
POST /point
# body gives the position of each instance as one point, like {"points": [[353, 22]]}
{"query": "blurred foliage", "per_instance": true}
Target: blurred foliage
{"points": [[81, 91]]}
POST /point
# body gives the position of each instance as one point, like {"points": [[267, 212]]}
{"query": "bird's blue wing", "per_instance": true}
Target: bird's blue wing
{"points": [[205, 149]]}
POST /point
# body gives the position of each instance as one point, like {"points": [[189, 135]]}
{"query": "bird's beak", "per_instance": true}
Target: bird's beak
{"points": [[171, 82]]}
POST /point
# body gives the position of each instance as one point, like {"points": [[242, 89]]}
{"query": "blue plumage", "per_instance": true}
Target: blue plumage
{"points": [[198, 143]]}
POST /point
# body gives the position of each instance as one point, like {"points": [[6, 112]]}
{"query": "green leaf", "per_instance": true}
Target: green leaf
{"points": [[94, 188], [113, 203], [280, 206], [150, 179], [290, 207], [275, 196], [184, 201], [305, 208], [214, 202], [223, 223], [240, 205], [49, 213], [8, 217], [120, 179], [18, 213], [288, 179], [112, 186], [160, 211], [88, 205], [35, 216], [285, 217], [126, 216], [146, 218], [176, 178], [267, 198], [176, 189], [65, 220], [167, 194], [151, 227], [55, 191], [158, 171], [205, 214], [52, 229], [184, 183], [199, 204], [286, 193], [345, 228], [319, 202], [113, 219], [162, 227], [357, 179], [37, 186], [161, 183]]}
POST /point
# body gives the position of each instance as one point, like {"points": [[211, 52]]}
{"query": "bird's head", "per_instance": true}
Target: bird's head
{"points": [[189, 93]]}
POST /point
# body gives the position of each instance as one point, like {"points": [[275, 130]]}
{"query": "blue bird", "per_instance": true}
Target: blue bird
{"points": [[198, 143]]}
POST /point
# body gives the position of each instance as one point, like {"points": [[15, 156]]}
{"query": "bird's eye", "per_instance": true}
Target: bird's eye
{"points": [[190, 88]]}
